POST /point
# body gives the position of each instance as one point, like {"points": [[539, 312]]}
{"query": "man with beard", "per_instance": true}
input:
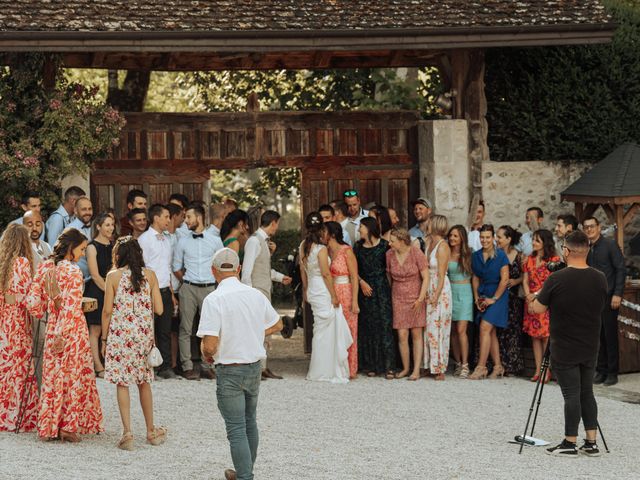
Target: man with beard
{"points": [[41, 250], [422, 210], [356, 213], [30, 202], [192, 265], [138, 222], [82, 222]]}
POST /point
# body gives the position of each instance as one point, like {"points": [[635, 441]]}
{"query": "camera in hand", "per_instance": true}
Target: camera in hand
{"points": [[555, 266]]}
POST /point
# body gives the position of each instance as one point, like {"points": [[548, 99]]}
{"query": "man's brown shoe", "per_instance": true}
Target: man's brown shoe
{"points": [[264, 376], [191, 375], [269, 374], [229, 474], [208, 374]]}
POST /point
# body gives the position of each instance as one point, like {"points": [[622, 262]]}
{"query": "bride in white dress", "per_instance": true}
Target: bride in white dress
{"points": [[331, 334]]}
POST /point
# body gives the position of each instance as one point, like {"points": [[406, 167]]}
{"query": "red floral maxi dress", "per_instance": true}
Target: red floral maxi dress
{"points": [[68, 397], [536, 325], [342, 286], [18, 386]]}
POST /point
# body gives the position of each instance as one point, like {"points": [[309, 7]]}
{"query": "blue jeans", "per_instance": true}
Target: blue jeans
{"points": [[237, 392]]}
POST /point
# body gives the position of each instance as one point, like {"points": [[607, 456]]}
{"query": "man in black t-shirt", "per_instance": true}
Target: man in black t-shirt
{"points": [[575, 297]]}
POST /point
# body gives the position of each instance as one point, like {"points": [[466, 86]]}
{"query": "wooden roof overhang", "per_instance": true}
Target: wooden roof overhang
{"points": [[286, 49]]}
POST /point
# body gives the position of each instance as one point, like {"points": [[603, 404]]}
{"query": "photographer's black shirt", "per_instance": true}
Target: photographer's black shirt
{"points": [[575, 298]]}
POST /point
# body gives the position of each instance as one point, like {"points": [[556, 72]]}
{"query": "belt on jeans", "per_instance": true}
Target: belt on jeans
{"points": [[341, 280], [236, 364], [165, 289], [201, 285]]}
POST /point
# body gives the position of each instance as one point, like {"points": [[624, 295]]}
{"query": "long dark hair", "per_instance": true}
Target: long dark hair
{"points": [[127, 253], [314, 228], [383, 217], [512, 234], [548, 245], [69, 240], [334, 229], [371, 224], [464, 262], [231, 221], [99, 221]]}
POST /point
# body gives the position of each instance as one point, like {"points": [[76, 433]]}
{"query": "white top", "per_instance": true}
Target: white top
{"points": [[474, 240], [41, 251], [251, 252], [238, 315], [157, 253]]}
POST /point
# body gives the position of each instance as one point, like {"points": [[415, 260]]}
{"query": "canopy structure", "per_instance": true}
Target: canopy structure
{"points": [[614, 185]]}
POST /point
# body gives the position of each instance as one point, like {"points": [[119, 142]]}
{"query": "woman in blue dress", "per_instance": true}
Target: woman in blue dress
{"points": [[490, 267]]}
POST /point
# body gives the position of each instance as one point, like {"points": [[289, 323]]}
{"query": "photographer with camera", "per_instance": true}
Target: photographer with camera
{"points": [[575, 297]]}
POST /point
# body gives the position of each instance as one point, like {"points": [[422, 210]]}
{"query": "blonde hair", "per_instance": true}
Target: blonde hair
{"points": [[439, 225], [402, 234], [14, 243]]}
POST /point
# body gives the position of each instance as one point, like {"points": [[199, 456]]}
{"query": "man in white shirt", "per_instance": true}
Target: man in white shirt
{"points": [[356, 213], [30, 202], [158, 253], [82, 222], [32, 220], [183, 202], [234, 322], [62, 217], [256, 267], [328, 214], [192, 265]]}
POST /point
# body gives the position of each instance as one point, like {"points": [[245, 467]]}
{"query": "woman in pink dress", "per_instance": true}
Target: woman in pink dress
{"points": [[69, 402], [408, 272], [18, 386], [344, 269]]}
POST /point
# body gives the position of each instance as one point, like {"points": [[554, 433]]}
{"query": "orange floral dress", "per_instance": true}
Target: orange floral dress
{"points": [[342, 286], [536, 325], [68, 397], [18, 386]]}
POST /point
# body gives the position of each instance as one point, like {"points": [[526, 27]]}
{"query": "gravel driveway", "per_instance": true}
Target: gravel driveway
{"points": [[369, 429]]}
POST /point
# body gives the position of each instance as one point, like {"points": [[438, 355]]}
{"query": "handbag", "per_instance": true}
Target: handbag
{"points": [[154, 358]]}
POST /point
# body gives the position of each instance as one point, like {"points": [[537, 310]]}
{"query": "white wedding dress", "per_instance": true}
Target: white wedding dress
{"points": [[331, 334]]}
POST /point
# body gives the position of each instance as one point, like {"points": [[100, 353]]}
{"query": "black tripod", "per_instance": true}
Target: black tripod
{"points": [[36, 356], [544, 368]]}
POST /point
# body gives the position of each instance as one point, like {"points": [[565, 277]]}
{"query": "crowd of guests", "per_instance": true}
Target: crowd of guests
{"points": [[386, 300]]}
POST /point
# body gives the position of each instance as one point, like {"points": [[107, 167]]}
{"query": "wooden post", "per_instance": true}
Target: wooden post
{"points": [[620, 224]]}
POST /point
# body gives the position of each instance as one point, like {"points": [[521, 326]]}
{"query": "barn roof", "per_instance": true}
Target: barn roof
{"points": [[617, 175], [291, 15]]}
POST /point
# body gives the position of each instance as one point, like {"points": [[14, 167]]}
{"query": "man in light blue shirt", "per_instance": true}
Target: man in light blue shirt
{"points": [[82, 222], [533, 219], [422, 210], [192, 265], [63, 216], [30, 203]]}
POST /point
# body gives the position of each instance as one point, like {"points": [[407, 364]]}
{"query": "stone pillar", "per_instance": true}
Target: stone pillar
{"points": [[81, 181], [444, 171]]}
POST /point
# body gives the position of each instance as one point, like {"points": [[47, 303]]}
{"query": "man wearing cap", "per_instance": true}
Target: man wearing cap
{"points": [[235, 319], [356, 213], [422, 210]]}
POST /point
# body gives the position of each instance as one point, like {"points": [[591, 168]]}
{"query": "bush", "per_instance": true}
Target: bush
{"points": [[566, 103]]}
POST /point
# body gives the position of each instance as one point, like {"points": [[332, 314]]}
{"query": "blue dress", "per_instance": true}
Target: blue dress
{"points": [[489, 274]]}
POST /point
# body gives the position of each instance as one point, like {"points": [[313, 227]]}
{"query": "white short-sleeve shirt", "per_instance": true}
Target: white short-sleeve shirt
{"points": [[238, 315]]}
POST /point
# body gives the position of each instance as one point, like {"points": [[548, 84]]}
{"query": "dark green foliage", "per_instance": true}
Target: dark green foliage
{"points": [[566, 103]]}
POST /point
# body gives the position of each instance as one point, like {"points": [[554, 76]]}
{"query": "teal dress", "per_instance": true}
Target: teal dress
{"points": [[461, 293]]}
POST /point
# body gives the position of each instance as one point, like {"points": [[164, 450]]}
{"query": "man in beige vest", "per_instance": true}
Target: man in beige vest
{"points": [[256, 267]]}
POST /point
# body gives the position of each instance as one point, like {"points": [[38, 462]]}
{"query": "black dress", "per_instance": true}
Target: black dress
{"points": [[510, 338], [376, 344], [103, 258]]}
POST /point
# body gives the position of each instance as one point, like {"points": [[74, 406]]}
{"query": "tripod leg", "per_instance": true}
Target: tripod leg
{"points": [[533, 401], [543, 374], [604, 442]]}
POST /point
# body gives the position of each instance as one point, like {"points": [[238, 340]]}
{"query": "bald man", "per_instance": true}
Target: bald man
{"points": [[41, 250]]}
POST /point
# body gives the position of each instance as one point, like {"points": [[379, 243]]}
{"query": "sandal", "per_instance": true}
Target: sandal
{"points": [[158, 436], [371, 374], [439, 377], [413, 378], [390, 375], [402, 374], [126, 442], [100, 374]]}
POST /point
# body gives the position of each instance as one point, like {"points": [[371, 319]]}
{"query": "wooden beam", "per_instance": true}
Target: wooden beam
{"points": [[579, 210], [611, 215], [628, 216], [589, 210], [620, 223]]}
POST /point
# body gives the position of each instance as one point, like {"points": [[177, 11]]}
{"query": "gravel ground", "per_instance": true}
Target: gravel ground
{"points": [[368, 429]]}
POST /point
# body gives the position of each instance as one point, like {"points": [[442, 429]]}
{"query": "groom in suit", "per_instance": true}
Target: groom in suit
{"points": [[256, 267]]}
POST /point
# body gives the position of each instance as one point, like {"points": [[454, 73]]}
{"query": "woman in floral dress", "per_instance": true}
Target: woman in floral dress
{"points": [[69, 402], [536, 325], [132, 296], [439, 307], [18, 387], [344, 270]]}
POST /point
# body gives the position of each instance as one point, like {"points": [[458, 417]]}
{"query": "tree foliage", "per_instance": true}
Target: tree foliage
{"points": [[47, 132], [566, 103]]}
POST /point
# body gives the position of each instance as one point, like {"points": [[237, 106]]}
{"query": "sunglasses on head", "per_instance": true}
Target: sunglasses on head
{"points": [[350, 193]]}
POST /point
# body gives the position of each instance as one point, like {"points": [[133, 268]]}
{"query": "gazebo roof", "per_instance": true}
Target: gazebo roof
{"points": [[616, 176]]}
